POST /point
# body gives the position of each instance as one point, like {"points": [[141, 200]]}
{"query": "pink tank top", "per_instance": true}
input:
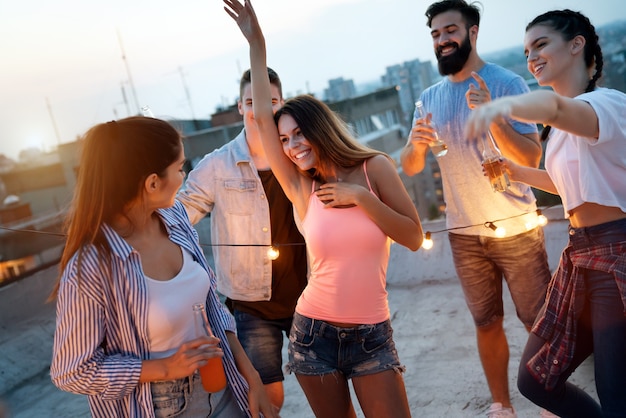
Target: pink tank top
{"points": [[348, 256]]}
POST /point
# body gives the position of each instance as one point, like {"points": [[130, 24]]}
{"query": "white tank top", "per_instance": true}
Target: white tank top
{"points": [[170, 307]]}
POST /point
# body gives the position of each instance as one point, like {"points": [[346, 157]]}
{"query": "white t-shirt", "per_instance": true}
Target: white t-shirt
{"points": [[590, 170], [470, 201]]}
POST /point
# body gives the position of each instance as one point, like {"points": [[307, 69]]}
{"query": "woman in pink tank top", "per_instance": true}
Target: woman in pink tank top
{"points": [[352, 204]]}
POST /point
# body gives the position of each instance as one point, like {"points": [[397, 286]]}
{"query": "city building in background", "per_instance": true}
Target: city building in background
{"points": [[339, 89], [36, 190], [411, 78]]}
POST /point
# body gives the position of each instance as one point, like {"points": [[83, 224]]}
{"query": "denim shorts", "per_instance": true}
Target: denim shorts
{"points": [[262, 340], [317, 348], [481, 262], [186, 398]]}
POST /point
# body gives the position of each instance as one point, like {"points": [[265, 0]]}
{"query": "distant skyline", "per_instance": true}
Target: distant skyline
{"points": [[62, 61]]}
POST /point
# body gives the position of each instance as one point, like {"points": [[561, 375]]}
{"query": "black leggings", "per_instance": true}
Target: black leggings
{"points": [[601, 329]]}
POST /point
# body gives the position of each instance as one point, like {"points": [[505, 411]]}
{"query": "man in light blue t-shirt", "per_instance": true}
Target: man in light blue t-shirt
{"points": [[481, 259]]}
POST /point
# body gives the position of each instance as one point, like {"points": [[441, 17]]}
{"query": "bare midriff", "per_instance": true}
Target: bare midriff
{"points": [[590, 214]]}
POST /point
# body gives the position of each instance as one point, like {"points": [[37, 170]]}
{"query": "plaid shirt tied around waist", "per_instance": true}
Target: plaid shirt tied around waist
{"points": [[564, 303]]}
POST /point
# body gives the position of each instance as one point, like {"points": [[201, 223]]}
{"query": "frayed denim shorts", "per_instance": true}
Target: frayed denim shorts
{"points": [[317, 348], [262, 340]]}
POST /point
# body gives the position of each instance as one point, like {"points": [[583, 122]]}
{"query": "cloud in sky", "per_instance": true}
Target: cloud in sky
{"points": [[67, 53]]}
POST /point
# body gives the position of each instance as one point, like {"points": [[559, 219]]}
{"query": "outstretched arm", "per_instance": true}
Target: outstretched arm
{"points": [[540, 106], [285, 171], [535, 177]]}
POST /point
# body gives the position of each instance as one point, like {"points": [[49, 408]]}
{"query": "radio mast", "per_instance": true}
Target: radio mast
{"points": [[54, 123], [130, 77]]}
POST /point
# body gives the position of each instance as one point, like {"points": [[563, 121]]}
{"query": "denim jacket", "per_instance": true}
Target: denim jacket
{"points": [[226, 184]]}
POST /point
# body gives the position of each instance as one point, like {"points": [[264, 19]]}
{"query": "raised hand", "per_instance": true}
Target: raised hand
{"points": [[477, 95], [244, 16]]}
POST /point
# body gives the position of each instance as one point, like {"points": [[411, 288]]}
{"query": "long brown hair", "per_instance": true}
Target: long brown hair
{"points": [[571, 24], [327, 133], [116, 159]]}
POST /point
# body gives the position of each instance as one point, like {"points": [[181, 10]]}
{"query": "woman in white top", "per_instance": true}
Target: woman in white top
{"points": [[585, 164], [132, 269]]}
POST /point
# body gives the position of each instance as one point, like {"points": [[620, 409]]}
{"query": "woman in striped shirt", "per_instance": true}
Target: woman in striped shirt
{"points": [[131, 270]]}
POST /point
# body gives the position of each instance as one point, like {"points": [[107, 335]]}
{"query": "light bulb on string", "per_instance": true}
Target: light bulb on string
{"points": [[272, 253], [498, 230], [542, 220], [427, 243]]}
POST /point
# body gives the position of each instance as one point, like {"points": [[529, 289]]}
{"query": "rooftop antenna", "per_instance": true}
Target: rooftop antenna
{"points": [[54, 124], [130, 77], [182, 76], [125, 99]]}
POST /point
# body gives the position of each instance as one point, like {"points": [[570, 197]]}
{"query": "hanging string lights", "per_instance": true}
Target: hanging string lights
{"points": [[273, 252], [499, 231]]}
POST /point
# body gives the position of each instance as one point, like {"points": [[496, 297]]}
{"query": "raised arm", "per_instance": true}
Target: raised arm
{"points": [[285, 171], [535, 177]]}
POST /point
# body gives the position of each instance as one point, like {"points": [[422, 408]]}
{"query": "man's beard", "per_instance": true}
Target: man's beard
{"points": [[453, 63]]}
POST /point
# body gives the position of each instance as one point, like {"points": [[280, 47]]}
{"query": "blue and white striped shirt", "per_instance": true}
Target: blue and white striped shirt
{"points": [[101, 333]]}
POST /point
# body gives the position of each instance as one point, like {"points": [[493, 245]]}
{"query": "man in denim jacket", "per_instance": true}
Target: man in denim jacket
{"points": [[249, 213]]}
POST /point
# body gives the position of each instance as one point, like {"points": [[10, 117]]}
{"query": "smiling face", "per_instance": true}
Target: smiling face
{"points": [[295, 145], [451, 41], [548, 55]]}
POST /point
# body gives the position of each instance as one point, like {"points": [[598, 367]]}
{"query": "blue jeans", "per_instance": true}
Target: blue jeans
{"points": [[317, 348], [601, 330], [186, 398], [262, 340], [481, 262]]}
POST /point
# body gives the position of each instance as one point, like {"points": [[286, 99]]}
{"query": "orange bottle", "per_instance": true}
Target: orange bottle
{"points": [[212, 374]]}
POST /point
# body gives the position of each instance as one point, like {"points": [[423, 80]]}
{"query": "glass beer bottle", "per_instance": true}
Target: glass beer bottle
{"points": [[212, 374], [492, 164], [438, 147]]}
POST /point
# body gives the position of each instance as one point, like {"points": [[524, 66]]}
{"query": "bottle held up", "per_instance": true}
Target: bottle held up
{"points": [[492, 164], [438, 147], [212, 373]]}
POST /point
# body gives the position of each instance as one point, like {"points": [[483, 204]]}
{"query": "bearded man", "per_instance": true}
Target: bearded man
{"points": [[482, 260]]}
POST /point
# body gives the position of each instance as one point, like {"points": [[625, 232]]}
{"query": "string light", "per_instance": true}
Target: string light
{"points": [[499, 232], [542, 220], [272, 253], [427, 243]]}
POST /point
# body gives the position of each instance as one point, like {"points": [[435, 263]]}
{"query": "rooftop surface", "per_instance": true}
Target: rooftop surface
{"points": [[433, 331]]}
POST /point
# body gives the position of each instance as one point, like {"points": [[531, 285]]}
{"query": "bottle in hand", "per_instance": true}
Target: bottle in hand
{"points": [[438, 147], [212, 374], [492, 164]]}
